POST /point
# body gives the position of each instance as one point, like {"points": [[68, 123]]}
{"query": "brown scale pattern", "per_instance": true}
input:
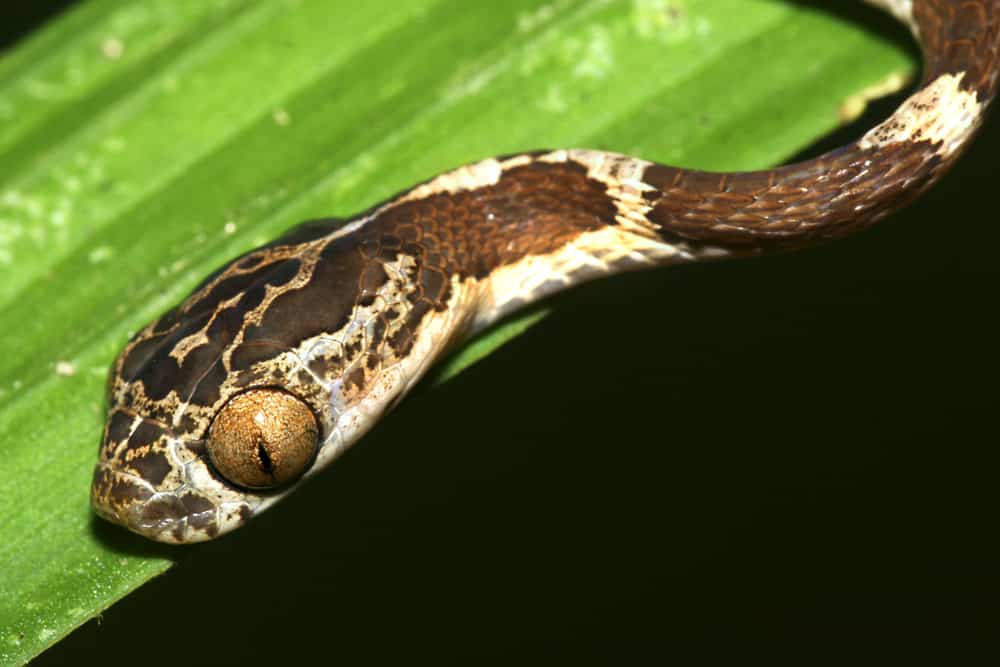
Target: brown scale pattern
{"points": [[532, 210], [961, 36], [789, 207], [846, 190]]}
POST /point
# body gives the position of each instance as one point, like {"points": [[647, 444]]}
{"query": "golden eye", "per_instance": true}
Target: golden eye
{"points": [[263, 438]]}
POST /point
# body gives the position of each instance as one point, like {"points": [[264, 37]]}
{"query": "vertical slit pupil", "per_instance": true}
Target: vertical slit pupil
{"points": [[265, 458]]}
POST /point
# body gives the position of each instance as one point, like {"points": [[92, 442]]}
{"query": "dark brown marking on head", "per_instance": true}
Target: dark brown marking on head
{"points": [[124, 491], [118, 426], [327, 365], [252, 297], [401, 341], [228, 288], [150, 362], [101, 480], [246, 355], [373, 278], [115, 491], [268, 270], [353, 347], [146, 433], [162, 510], [250, 262], [284, 273], [152, 467], [354, 381], [379, 328], [435, 287], [200, 513], [163, 373], [150, 351], [207, 390], [324, 304], [137, 357], [186, 424], [166, 322]]}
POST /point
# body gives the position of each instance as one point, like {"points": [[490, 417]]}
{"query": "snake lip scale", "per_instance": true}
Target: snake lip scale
{"points": [[286, 356]]}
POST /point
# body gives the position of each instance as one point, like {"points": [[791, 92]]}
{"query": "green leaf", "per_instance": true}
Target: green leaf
{"points": [[142, 144]]}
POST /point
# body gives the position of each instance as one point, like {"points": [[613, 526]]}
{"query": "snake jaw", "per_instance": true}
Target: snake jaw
{"points": [[189, 506], [169, 517]]}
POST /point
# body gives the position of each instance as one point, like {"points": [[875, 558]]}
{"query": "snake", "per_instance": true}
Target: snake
{"points": [[286, 356]]}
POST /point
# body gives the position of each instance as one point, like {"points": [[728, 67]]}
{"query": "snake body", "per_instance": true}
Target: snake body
{"points": [[286, 356]]}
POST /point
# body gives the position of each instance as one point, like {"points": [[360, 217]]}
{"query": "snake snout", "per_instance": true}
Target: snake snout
{"points": [[158, 486], [176, 516], [123, 498]]}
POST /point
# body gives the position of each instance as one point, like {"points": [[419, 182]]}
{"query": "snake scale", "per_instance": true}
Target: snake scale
{"points": [[287, 355]]}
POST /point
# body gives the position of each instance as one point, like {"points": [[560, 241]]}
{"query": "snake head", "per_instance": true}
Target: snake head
{"points": [[264, 374], [211, 416]]}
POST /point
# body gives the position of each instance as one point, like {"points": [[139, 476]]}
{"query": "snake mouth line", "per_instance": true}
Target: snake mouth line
{"points": [[175, 516]]}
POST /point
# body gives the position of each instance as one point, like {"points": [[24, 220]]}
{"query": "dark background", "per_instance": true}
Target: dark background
{"points": [[802, 446], [21, 18]]}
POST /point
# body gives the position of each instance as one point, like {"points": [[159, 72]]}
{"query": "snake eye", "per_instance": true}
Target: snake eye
{"points": [[263, 438]]}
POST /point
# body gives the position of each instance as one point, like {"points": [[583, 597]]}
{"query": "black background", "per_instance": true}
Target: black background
{"points": [[802, 446], [18, 20]]}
